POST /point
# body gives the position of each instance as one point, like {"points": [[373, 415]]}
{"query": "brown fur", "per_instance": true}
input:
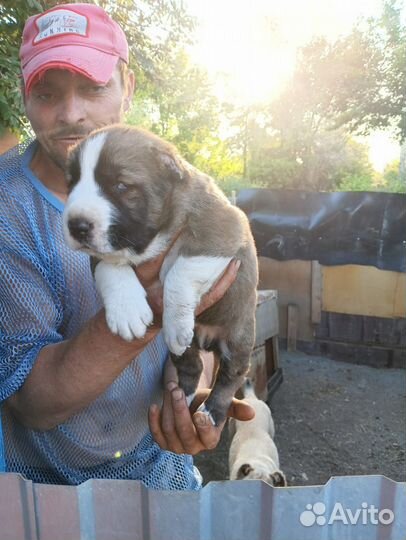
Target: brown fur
{"points": [[177, 197]]}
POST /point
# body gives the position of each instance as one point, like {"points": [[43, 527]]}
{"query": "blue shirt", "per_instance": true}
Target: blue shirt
{"points": [[46, 295]]}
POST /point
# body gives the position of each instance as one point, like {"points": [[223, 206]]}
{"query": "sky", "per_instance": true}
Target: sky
{"points": [[249, 46]]}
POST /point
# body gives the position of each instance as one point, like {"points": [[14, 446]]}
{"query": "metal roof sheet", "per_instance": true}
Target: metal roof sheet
{"points": [[238, 510]]}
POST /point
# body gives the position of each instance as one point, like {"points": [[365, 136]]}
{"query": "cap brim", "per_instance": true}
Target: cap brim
{"points": [[92, 63]]}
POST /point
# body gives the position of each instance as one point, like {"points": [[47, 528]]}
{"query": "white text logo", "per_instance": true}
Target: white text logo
{"points": [[315, 514]]}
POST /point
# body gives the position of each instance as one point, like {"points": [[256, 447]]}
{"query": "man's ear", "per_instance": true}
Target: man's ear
{"points": [[129, 90]]}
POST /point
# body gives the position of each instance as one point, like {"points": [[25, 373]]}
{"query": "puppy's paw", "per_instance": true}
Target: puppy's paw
{"points": [[178, 332], [129, 316]]}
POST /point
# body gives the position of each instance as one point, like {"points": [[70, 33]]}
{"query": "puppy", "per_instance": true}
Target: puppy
{"points": [[253, 454], [132, 197]]}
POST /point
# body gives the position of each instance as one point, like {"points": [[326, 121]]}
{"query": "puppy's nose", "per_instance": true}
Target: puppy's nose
{"points": [[80, 228]]}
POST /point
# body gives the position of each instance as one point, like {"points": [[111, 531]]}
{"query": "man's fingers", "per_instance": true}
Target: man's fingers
{"points": [[241, 410], [154, 421], [168, 421], [208, 434], [174, 429], [184, 426]]}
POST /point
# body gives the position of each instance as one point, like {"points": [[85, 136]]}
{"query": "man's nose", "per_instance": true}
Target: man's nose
{"points": [[72, 109], [80, 228]]}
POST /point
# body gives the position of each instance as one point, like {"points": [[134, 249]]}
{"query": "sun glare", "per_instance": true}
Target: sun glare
{"points": [[249, 48], [252, 45]]}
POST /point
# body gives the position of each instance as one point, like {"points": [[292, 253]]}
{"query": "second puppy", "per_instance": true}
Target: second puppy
{"points": [[253, 454]]}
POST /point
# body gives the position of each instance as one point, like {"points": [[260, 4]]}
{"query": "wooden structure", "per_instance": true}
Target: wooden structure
{"points": [[348, 311], [265, 370]]}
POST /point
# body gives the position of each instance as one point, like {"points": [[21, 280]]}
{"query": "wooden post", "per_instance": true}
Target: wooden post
{"points": [[316, 293], [293, 312]]}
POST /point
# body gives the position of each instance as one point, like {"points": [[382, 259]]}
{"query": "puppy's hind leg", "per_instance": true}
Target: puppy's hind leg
{"points": [[234, 363], [234, 353], [189, 367]]}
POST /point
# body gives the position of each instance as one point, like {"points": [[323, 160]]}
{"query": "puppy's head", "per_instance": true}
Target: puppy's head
{"points": [[257, 471], [121, 181]]}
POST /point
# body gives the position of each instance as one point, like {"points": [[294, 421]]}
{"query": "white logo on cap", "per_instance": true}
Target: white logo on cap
{"points": [[58, 22]]}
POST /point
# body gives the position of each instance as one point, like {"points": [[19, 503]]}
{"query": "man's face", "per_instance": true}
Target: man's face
{"points": [[63, 107]]}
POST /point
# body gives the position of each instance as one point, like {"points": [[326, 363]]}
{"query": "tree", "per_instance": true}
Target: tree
{"points": [[392, 180], [354, 85], [183, 110], [381, 46], [12, 19]]}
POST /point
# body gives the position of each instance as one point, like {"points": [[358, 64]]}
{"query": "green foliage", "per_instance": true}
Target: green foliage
{"points": [[12, 18], [392, 181], [389, 181], [155, 32], [374, 95], [354, 85], [356, 182], [235, 184], [183, 110], [302, 140]]}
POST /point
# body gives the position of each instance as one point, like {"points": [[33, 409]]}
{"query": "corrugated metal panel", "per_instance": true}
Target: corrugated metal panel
{"points": [[240, 510]]}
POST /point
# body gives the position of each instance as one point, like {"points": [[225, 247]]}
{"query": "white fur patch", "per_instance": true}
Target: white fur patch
{"points": [[158, 245], [127, 311], [186, 282], [86, 199]]}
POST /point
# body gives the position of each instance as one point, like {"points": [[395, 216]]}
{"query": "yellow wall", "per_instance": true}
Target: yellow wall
{"points": [[364, 290]]}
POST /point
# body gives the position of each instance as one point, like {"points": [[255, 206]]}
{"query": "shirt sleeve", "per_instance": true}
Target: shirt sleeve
{"points": [[30, 310]]}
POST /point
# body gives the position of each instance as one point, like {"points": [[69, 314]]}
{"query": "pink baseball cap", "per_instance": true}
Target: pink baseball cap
{"points": [[78, 37]]}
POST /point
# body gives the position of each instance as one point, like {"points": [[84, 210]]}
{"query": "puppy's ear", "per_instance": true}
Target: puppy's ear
{"points": [[171, 165], [277, 479], [244, 471]]}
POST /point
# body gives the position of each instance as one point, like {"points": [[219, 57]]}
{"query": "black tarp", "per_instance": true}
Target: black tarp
{"points": [[364, 228]]}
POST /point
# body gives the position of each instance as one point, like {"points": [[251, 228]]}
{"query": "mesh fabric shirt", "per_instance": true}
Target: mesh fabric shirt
{"points": [[46, 295]]}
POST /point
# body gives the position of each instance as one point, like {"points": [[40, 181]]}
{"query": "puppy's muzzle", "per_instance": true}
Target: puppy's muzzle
{"points": [[80, 229]]}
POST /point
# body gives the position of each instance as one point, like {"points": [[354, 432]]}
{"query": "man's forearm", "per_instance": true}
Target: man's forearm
{"points": [[68, 376]]}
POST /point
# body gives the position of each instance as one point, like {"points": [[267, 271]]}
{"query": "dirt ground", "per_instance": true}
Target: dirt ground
{"points": [[332, 419]]}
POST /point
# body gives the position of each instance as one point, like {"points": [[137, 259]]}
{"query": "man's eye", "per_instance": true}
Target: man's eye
{"points": [[95, 89], [45, 96]]}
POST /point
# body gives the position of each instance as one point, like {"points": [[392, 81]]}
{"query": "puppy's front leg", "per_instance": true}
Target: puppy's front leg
{"points": [[186, 282], [127, 311]]}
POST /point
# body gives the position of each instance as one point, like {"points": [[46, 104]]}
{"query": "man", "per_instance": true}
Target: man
{"points": [[76, 399]]}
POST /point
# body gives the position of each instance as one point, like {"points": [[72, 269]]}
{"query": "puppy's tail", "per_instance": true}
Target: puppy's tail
{"points": [[248, 388]]}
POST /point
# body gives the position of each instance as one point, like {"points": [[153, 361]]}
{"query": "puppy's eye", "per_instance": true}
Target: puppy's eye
{"points": [[120, 187]]}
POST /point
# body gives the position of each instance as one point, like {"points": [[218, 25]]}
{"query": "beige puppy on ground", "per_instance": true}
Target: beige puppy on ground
{"points": [[253, 454]]}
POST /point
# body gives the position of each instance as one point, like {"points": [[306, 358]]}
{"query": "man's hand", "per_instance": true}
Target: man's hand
{"points": [[183, 431], [177, 429], [148, 274]]}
